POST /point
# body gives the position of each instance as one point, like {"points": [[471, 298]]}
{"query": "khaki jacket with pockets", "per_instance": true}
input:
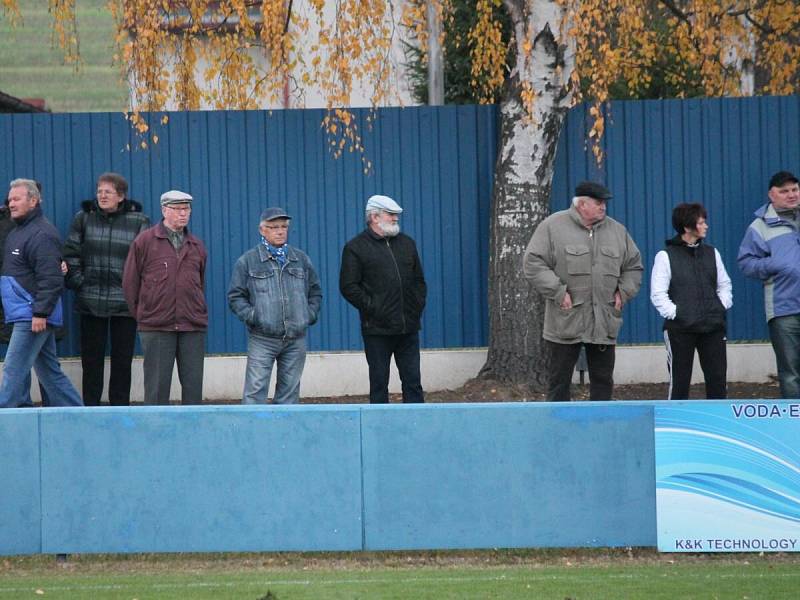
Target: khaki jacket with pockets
{"points": [[564, 256]]}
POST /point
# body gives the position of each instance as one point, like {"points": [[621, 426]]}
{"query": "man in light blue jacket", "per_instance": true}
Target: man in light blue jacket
{"points": [[275, 291], [770, 252]]}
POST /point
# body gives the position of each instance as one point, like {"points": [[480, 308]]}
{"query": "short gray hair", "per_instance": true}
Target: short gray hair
{"points": [[30, 185], [369, 212], [576, 199]]}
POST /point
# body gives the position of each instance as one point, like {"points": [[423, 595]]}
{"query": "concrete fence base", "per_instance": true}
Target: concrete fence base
{"points": [[345, 373], [327, 477]]}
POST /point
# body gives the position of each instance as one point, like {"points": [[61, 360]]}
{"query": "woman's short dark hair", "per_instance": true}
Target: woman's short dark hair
{"points": [[115, 179], [687, 215]]}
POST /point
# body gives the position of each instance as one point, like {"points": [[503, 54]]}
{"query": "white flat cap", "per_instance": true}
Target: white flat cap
{"points": [[383, 203], [175, 197]]}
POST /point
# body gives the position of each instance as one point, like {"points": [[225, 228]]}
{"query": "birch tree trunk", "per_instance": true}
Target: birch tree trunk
{"points": [[536, 101]]}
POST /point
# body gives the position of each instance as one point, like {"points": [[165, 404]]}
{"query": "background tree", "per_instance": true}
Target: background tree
{"points": [[559, 52], [459, 85]]}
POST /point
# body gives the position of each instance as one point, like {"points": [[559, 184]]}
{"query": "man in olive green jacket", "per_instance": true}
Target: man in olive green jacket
{"points": [[587, 267]]}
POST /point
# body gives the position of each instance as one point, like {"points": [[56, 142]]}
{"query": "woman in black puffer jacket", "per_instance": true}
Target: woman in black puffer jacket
{"points": [[96, 248]]}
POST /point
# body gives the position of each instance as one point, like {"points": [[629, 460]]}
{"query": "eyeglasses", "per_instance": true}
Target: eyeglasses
{"points": [[276, 226], [182, 209]]}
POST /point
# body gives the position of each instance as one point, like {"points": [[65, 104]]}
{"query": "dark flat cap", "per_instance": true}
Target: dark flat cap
{"points": [[781, 178], [273, 213], [593, 190]]}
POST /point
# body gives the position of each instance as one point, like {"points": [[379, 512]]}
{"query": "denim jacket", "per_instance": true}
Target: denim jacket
{"points": [[275, 301]]}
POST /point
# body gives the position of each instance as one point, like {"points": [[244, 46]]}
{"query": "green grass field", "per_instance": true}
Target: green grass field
{"points": [[30, 67], [525, 574]]}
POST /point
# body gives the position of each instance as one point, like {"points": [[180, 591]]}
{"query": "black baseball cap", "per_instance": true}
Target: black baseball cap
{"points": [[273, 213], [781, 178]]}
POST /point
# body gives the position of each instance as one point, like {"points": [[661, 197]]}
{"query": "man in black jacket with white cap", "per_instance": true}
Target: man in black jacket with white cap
{"points": [[382, 277]]}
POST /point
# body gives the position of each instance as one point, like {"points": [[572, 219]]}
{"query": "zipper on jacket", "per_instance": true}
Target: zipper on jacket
{"points": [[400, 280]]}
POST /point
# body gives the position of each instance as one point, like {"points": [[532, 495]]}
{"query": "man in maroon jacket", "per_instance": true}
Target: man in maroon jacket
{"points": [[163, 281]]}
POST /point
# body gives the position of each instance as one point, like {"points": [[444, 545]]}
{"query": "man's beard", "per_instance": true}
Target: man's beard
{"points": [[389, 229]]}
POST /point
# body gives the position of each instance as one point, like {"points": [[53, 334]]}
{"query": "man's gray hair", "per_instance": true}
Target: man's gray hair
{"points": [[369, 212], [576, 199], [28, 184]]}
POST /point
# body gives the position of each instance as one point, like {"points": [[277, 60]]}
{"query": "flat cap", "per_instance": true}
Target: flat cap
{"points": [[781, 178], [593, 190], [272, 213], [383, 203], [175, 197]]}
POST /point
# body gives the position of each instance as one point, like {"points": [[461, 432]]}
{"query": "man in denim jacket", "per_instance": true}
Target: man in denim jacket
{"points": [[275, 291]]}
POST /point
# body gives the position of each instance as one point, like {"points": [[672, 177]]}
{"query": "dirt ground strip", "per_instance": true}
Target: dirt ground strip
{"points": [[477, 390], [364, 561]]}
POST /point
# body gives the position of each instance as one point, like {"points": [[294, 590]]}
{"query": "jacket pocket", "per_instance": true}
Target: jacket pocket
{"points": [[567, 323], [299, 273], [155, 272], [260, 281], [578, 260], [299, 315], [613, 319], [153, 297], [610, 261]]}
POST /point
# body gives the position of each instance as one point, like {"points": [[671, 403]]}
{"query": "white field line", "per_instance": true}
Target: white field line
{"points": [[521, 578]]}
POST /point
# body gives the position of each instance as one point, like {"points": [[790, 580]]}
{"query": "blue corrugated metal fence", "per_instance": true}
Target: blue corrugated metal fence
{"points": [[438, 163], [720, 152]]}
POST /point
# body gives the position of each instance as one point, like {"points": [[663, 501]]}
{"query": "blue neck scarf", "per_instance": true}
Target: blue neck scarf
{"points": [[278, 254]]}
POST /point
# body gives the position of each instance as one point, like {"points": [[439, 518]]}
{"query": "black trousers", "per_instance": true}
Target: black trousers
{"points": [[405, 348], [680, 360], [94, 337], [563, 357]]}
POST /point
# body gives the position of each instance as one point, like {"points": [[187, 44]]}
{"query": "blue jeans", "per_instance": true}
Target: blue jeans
{"points": [[262, 352], [26, 401], [785, 335], [27, 349]]}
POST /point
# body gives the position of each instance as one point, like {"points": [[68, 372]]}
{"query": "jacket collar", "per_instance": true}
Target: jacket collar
{"points": [[264, 255], [770, 216], [34, 213], [375, 236], [161, 232], [127, 205], [576, 216], [679, 241]]}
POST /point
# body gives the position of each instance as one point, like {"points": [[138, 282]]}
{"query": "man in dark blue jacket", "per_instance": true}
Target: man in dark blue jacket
{"points": [[31, 286]]}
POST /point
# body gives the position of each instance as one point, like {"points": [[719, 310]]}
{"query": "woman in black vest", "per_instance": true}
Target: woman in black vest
{"points": [[692, 291]]}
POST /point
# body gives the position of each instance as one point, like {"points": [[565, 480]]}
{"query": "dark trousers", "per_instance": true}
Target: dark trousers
{"points": [[95, 332], [162, 349], [563, 357], [680, 360], [379, 350]]}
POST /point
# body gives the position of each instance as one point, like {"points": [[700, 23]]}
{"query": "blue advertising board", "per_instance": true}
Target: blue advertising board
{"points": [[728, 476]]}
